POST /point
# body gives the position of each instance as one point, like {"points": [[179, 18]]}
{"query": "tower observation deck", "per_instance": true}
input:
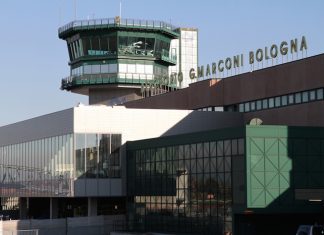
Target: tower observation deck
{"points": [[111, 59]]}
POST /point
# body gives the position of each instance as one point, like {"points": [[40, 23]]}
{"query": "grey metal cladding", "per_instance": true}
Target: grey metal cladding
{"points": [[53, 124]]}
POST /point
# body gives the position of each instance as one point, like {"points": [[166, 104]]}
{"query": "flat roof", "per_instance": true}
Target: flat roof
{"points": [[116, 22]]}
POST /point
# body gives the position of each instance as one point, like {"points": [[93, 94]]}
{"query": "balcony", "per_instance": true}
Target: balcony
{"points": [[166, 57], [71, 82]]}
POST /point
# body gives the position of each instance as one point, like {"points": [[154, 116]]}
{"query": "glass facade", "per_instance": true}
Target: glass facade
{"points": [[183, 188], [134, 44], [97, 155], [47, 167], [41, 167]]}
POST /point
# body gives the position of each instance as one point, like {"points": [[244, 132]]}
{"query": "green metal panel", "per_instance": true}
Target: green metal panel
{"points": [[280, 159]]}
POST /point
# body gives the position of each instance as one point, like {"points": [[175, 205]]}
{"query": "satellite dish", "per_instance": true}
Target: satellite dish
{"points": [[256, 121]]}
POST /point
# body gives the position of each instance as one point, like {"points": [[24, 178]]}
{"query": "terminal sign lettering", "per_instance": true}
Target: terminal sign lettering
{"points": [[254, 56]]}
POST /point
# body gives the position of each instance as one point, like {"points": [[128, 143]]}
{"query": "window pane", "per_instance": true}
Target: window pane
{"points": [[259, 105], [319, 93], [80, 155], [271, 102], [104, 68], [291, 99], [87, 69], [86, 46], [112, 68], [95, 50], [123, 47], [112, 45], [150, 46], [247, 107], [298, 98], [252, 106], [91, 155], [95, 69], [284, 100], [277, 102], [123, 68], [114, 159], [140, 68], [104, 45], [265, 104], [70, 46], [305, 96], [312, 95], [241, 108], [104, 152], [131, 68]]}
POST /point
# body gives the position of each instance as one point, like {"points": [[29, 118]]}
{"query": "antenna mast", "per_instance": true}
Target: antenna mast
{"points": [[75, 9], [120, 9]]}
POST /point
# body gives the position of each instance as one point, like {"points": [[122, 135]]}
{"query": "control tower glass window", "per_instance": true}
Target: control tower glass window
{"points": [[150, 46], [140, 46], [104, 45], [162, 47], [86, 45], [96, 46], [112, 45]]}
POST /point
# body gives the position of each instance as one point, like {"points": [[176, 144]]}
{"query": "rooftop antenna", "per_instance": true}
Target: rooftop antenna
{"points": [[60, 16], [75, 9], [120, 9]]}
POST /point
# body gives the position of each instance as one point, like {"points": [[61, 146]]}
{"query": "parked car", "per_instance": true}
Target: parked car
{"points": [[310, 230]]}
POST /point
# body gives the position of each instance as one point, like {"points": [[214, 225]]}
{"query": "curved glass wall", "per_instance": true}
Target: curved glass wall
{"points": [[128, 43]]}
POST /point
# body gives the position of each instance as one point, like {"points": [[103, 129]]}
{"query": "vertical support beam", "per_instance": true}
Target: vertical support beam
{"points": [[23, 208], [53, 208], [92, 206]]}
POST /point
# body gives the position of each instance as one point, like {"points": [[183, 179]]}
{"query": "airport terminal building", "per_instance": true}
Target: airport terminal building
{"points": [[246, 179], [235, 155]]}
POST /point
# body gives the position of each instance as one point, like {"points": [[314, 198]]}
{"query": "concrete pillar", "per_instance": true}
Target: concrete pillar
{"points": [[23, 207], [92, 206], [53, 208]]}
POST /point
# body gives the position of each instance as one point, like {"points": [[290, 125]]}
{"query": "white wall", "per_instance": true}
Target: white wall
{"points": [[133, 124]]}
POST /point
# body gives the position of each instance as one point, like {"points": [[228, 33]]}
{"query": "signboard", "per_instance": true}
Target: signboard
{"points": [[259, 55]]}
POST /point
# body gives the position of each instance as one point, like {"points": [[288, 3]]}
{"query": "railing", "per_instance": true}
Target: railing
{"points": [[113, 22], [91, 79], [166, 56], [125, 78]]}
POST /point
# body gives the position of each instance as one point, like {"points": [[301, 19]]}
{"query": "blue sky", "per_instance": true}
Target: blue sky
{"points": [[33, 60]]}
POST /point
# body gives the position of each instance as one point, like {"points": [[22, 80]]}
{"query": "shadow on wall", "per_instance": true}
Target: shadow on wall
{"points": [[198, 121]]}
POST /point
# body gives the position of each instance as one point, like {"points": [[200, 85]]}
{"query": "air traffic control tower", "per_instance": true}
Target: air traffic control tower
{"points": [[111, 59]]}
